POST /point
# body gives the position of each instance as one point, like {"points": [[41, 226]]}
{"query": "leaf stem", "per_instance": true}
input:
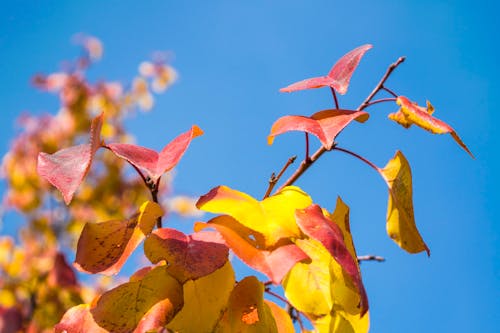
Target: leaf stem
{"points": [[335, 98], [274, 179], [390, 91], [381, 100], [307, 147], [374, 167]]}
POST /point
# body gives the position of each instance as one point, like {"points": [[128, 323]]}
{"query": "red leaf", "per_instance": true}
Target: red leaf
{"points": [[153, 163], [315, 225], [11, 319], [274, 263], [78, 319], [67, 168], [188, 256], [61, 275], [325, 125], [339, 76]]}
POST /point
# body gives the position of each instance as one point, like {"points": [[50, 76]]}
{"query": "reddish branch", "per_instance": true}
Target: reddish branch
{"points": [[308, 162]]}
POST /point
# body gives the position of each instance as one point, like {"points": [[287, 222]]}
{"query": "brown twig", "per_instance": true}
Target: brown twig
{"points": [[335, 98], [292, 311], [307, 163], [274, 179], [370, 257]]}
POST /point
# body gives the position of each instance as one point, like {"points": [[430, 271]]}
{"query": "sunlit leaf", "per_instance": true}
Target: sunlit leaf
{"points": [[121, 309], [411, 113], [105, 246], [152, 163], [206, 297], [78, 319], [341, 322], [314, 224], [400, 218], [283, 321], [67, 168], [188, 256], [246, 311], [339, 76], [273, 217], [274, 263], [325, 125]]}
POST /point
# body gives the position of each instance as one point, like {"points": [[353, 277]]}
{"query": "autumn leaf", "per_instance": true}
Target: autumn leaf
{"points": [[121, 309], [342, 322], [273, 217], [188, 256], [246, 310], [401, 225], [61, 274], [66, 168], [274, 263], [78, 319], [283, 321], [325, 125], [411, 113], [104, 247], [206, 297], [153, 163], [339, 76]]}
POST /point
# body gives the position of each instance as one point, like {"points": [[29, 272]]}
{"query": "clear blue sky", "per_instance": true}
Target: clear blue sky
{"points": [[233, 56]]}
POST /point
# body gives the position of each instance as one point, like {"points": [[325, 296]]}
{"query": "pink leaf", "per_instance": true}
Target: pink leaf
{"points": [[325, 125], [315, 225], [78, 319], [153, 163], [67, 168], [339, 76]]}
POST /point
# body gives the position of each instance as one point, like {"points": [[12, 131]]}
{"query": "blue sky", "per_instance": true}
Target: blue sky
{"points": [[233, 56]]}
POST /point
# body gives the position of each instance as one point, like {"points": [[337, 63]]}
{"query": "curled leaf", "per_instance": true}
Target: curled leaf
{"points": [[411, 113], [274, 263], [104, 247], [153, 163], [325, 125], [188, 256], [66, 168], [401, 225], [339, 76]]}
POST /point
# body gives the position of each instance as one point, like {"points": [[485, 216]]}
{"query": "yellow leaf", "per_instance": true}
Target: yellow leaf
{"points": [[204, 301], [341, 322], [273, 217], [400, 218]]}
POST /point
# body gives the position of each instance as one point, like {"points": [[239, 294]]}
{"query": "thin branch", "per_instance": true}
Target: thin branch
{"points": [[278, 296], [370, 257], [381, 100], [274, 179], [306, 164], [376, 168], [307, 147], [389, 91], [335, 98], [154, 188]]}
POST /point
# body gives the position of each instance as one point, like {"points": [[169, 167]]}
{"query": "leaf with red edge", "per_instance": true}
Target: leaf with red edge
{"points": [[153, 163], [78, 319], [339, 76], [104, 247], [314, 224], [325, 125], [274, 263], [188, 256], [66, 168], [411, 113]]}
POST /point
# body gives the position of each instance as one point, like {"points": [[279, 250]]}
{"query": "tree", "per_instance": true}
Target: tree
{"points": [[306, 252]]}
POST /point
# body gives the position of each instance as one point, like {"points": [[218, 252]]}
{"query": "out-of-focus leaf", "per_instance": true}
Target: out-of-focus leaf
{"points": [[188, 257], [314, 224], [283, 321], [204, 301], [274, 263], [400, 218], [153, 163], [66, 168], [61, 274], [246, 311], [339, 76], [273, 217], [411, 113], [104, 247], [325, 125], [121, 309], [78, 319]]}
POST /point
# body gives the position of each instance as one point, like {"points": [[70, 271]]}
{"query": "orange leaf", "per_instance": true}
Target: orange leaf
{"points": [[401, 225], [410, 113], [339, 76], [67, 168], [188, 256], [275, 263], [104, 247], [325, 125], [78, 319], [281, 317]]}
